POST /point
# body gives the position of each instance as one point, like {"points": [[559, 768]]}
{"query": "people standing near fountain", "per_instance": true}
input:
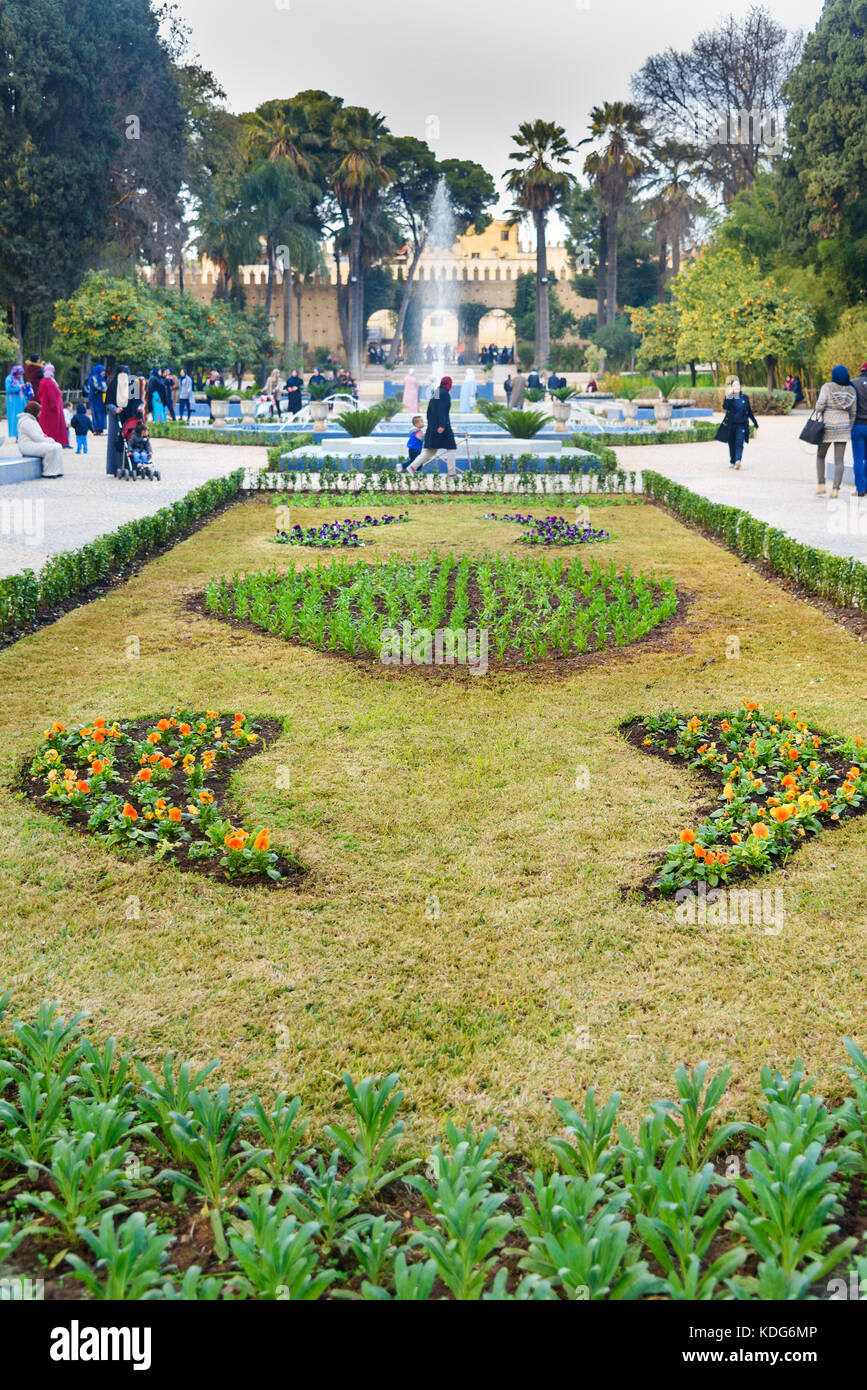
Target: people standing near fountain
{"points": [[519, 386], [293, 392], [410, 392], [534, 381], [274, 390], [439, 437], [16, 399], [468, 392]]}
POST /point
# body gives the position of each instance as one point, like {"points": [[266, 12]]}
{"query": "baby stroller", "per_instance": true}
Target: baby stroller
{"points": [[135, 462]]}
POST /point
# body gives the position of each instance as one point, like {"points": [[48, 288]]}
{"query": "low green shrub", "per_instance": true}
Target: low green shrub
{"points": [[763, 401], [698, 433], [839, 578], [27, 597]]}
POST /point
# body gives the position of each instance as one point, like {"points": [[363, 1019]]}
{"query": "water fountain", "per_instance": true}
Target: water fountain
{"points": [[441, 241]]}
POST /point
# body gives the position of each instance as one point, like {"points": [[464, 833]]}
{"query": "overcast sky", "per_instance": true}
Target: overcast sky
{"points": [[479, 67]]}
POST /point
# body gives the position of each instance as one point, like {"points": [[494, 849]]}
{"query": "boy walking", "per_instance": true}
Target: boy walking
{"points": [[81, 426]]}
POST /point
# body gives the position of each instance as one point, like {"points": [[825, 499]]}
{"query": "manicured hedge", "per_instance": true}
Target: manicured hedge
{"points": [[25, 597], [763, 401], [696, 434], [210, 435], [839, 578]]}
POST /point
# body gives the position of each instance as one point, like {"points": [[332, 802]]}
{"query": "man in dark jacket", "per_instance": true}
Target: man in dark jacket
{"points": [[859, 432]]}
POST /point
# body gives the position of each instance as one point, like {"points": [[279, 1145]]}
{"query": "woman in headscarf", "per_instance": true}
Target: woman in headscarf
{"points": [[294, 384], [410, 392], [52, 419], [156, 396], [33, 372], [96, 396], [468, 392], [274, 389], [735, 427], [35, 443], [16, 399], [117, 402], [439, 438], [836, 407]]}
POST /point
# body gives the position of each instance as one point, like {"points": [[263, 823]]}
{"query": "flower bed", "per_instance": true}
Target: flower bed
{"points": [[527, 610], [779, 782], [158, 785], [334, 533], [553, 530], [127, 1178]]}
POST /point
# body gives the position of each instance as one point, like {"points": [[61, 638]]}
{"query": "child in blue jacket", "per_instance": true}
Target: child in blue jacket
{"points": [[81, 425]]}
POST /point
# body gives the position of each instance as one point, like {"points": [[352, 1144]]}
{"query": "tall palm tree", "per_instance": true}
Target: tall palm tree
{"points": [[359, 137], [618, 131], [225, 232], [279, 132], [673, 206], [537, 185], [278, 200]]}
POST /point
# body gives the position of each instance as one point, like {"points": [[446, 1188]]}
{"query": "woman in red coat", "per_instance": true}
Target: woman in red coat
{"points": [[51, 419]]}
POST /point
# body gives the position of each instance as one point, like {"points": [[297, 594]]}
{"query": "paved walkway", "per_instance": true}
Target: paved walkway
{"points": [[777, 483], [43, 517]]}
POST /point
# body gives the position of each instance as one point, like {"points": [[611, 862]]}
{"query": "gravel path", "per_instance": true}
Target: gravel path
{"points": [[49, 515], [777, 483]]}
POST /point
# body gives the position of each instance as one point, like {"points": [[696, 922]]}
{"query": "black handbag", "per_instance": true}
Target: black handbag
{"points": [[813, 431], [724, 433]]}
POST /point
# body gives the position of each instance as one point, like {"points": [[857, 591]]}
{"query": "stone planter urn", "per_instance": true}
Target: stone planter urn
{"points": [[630, 410], [248, 408], [319, 414], [562, 410], [662, 412], [219, 410]]}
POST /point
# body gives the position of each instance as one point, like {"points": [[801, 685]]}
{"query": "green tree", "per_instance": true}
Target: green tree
{"points": [[617, 130], [279, 203], [359, 137], [561, 320], [540, 180], [658, 327], [825, 173], [113, 319]]}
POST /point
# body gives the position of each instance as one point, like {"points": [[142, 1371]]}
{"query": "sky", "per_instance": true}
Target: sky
{"points": [[462, 74]]}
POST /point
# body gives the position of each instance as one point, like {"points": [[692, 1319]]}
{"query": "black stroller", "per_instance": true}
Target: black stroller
{"points": [[131, 467]]}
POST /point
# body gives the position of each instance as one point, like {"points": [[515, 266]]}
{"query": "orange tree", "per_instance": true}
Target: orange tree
{"points": [[113, 318], [658, 326]]}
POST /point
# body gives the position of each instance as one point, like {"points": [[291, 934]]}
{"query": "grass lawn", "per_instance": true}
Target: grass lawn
{"points": [[462, 919]]}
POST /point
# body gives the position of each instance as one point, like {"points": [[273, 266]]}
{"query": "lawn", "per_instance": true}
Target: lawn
{"points": [[467, 843]]}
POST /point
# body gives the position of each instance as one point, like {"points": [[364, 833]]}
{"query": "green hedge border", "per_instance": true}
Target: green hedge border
{"points": [[839, 578], [699, 433], [25, 598], [211, 435]]}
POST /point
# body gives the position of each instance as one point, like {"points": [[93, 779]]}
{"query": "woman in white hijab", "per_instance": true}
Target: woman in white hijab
{"points": [[35, 443], [468, 393]]}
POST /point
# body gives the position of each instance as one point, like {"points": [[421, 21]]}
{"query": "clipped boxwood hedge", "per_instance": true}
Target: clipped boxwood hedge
{"points": [[27, 597], [696, 434], [763, 401], [839, 578]]}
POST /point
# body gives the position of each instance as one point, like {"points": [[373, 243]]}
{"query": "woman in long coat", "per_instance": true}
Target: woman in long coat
{"points": [[51, 418], [96, 396], [293, 393], [117, 403], [836, 407], [439, 437], [16, 399], [410, 392]]}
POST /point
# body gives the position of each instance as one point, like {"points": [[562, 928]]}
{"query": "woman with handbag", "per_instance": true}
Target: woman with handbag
{"points": [[836, 406], [735, 427]]}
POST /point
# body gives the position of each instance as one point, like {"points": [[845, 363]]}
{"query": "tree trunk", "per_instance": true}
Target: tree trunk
{"points": [[298, 338], [611, 287], [601, 271], [287, 311], [342, 307], [408, 288], [662, 274], [18, 328], [543, 303], [771, 365], [675, 256], [356, 300], [692, 373]]}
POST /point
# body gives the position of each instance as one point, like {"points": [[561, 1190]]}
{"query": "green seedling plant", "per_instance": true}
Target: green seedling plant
{"points": [[130, 1259], [193, 1288], [589, 1148], [371, 1242], [44, 1047], [277, 1256], [161, 1098], [282, 1130], [852, 1114], [578, 1241], [84, 1185], [207, 1138], [413, 1283], [11, 1237], [654, 1148], [105, 1074], [692, 1115], [35, 1123], [680, 1234], [326, 1198], [368, 1152]]}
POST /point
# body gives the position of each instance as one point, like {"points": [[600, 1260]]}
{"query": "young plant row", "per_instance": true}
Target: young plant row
{"points": [[839, 578], [151, 786], [93, 1142], [534, 609], [25, 598], [779, 782]]}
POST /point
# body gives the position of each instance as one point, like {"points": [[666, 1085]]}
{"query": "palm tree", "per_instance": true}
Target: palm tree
{"points": [[358, 136], [278, 200], [225, 233], [617, 128], [673, 207], [537, 185], [279, 132]]}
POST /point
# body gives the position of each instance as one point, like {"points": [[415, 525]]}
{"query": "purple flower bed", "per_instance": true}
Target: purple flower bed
{"points": [[334, 533], [553, 530]]}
